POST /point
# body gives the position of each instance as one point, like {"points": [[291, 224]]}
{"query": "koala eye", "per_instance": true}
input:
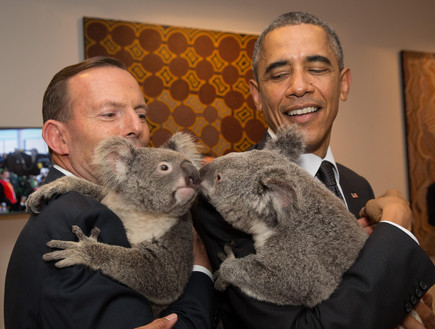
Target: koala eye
{"points": [[218, 178], [164, 167]]}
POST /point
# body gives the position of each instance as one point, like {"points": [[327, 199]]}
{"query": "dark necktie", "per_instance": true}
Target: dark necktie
{"points": [[327, 177]]}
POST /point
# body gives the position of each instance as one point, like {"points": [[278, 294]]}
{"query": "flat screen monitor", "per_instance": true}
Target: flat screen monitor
{"points": [[24, 163]]}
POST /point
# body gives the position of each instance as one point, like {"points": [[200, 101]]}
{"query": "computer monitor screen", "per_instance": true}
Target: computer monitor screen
{"points": [[24, 164]]}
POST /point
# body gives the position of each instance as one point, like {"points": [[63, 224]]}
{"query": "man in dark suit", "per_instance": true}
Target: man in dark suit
{"points": [[83, 104], [299, 79]]}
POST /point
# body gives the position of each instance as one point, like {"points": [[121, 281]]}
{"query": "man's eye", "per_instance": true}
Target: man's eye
{"points": [[278, 76], [109, 115], [318, 70]]}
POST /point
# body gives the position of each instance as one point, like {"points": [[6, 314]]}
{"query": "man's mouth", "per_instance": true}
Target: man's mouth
{"points": [[305, 110]]}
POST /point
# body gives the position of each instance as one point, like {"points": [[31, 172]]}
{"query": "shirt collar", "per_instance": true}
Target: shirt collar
{"points": [[63, 170]]}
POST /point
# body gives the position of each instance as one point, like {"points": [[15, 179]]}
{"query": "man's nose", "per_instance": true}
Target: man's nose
{"points": [[133, 124], [300, 84]]}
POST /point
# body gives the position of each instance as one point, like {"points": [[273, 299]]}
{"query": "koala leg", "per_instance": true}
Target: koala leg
{"points": [[72, 253], [159, 269], [260, 279], [245, 273]]}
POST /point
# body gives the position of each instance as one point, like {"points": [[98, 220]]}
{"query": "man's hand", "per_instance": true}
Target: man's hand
{"points": [[391, 206], [162, 323], [425, 311], [365, 223], [199, 252]]}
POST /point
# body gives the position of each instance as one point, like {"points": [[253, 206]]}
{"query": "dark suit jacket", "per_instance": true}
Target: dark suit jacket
{"points": [[389, 277], [38, 295]]}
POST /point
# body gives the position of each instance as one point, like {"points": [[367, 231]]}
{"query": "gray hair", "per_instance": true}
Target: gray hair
{"points": [[297, 18]]}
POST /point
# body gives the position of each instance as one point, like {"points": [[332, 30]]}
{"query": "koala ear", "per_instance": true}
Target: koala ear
{"points": [[112, 158], [289, 142], [280, 193], [184, 143]]}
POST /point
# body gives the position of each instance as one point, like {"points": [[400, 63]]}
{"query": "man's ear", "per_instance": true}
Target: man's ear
{"points": [[345, 80], [53, 133], [255, 92]]}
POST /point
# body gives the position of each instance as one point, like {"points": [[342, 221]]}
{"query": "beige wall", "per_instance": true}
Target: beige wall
{"points": [[40, 37]]}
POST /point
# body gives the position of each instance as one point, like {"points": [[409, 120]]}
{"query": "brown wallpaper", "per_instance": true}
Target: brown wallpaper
{"points": [[192, 79], [419, 93]]}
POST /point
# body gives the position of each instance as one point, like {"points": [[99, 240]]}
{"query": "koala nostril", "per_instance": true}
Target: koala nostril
{"points": [[192, 174]]}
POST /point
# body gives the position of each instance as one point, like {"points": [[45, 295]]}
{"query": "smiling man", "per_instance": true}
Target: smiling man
{"points": [[300, 79]]}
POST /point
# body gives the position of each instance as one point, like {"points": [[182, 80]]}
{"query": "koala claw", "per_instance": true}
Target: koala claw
{"points": [[33, 205], [95, 232], [221, 256], [219, 283], [229, 251]]}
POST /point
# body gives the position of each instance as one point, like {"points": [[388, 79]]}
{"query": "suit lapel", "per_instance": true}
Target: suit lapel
{"points": [[53, 174]]}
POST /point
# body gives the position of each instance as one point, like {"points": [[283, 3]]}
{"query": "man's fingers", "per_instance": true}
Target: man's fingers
{"points": [[162, 323], [411, 323], [425, 311], [428, 299], [366, 225]]}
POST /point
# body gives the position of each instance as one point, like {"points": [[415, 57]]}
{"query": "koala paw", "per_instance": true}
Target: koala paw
{"points": [[71, 252], [227, 254], [35, 200], [229, 251], [219, 283]]}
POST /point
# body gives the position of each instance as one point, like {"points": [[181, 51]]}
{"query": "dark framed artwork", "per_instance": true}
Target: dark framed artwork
{"points": [[418, 73], [24, 164], [192, 79]]}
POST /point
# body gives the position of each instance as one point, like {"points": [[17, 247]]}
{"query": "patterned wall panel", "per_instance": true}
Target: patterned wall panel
{"points": [[419, 95], [192, 79]]}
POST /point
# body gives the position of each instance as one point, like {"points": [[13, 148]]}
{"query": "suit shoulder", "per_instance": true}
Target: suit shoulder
{"points": [[73, 208], [72, 203], [356, 188], [349, 174]]}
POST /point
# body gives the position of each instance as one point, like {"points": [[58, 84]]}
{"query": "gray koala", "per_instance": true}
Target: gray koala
{"points": [[304, 237], [151, 190]]}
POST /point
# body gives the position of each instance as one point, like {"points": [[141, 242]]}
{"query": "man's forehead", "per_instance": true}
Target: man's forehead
{"points": [[303, 42]]}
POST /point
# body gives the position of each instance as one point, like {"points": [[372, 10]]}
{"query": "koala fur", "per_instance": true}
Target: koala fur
{"points": [[151, 190], [304, 237]]}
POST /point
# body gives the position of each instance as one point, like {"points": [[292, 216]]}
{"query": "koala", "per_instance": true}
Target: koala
{"points": [[304, 237], [151, 190]]}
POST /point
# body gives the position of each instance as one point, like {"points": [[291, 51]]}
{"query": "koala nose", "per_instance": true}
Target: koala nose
{"points": [[192, 174], [203, 170]]}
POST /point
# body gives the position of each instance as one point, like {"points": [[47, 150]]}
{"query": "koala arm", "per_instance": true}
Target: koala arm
{"points": [[62, 185], [152, 268]]}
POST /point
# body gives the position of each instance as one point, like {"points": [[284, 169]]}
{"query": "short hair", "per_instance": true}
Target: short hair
{"points": [[56, 103], [297, 18]]}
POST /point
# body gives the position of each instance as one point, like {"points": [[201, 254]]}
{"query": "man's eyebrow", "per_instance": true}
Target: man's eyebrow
{"points": [[143, 106], [318, 58], [110, 103], [274, 65]]}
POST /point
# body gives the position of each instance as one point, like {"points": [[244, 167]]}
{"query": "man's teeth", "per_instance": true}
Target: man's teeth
{"points": [[305, 110]]}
